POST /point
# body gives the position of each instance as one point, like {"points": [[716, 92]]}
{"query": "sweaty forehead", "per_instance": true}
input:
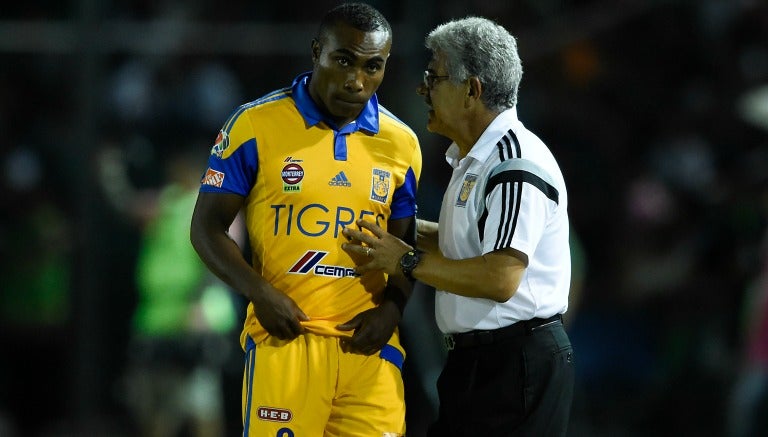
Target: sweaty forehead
{"points": [[359, 42]]}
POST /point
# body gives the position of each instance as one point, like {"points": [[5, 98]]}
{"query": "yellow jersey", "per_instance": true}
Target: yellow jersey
{"points": [[305, 179]]}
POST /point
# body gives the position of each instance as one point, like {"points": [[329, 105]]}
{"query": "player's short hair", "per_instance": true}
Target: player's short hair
{"points": [[360, 16], [475, 46]]}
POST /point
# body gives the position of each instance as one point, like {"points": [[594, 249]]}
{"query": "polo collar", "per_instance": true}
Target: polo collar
{"points": [[368, 119], [486, 144]]}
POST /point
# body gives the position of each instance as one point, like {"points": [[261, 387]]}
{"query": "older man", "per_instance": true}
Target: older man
{"points": [[499, 255]]}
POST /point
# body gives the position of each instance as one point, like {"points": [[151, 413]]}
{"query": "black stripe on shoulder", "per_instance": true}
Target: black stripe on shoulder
{"points": [[505, 148], [518, 150], [523, 176], [500, 148]]}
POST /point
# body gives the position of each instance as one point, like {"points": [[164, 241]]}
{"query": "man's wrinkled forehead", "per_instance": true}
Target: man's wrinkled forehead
{"points": [[437, 63]]}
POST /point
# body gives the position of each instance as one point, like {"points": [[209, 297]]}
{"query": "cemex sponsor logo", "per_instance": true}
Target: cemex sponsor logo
{"points": [[274, 414], [310, 262]]}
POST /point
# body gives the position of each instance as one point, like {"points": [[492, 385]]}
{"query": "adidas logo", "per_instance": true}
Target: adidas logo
{"points": [[340, 180]]}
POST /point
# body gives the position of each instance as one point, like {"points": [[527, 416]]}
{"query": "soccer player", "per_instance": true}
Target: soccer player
{"points": [[323, 355]]}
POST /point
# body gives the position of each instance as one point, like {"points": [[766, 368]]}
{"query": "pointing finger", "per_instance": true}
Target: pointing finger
{"points": [[354, 248], [371, 226], [357, 235]]}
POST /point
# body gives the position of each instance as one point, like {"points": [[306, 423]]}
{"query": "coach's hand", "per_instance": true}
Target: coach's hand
{"points": [[278, 313], [373, 328], [379, 248]]}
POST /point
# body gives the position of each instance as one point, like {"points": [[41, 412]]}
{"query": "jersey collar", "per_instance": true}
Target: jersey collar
{"points": [[367, 120], [486, 144]]}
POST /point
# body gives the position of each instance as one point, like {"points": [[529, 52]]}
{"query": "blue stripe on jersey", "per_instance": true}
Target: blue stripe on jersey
{"points": [[386, 112], [404, 198], [393, 355], [250, 354], [235, 181], [274, 95]]}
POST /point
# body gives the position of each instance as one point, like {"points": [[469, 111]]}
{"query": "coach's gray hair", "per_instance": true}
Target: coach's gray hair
{"points": [[475, 46]]}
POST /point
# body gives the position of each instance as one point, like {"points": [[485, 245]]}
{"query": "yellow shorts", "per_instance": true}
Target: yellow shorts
{"points": [[309, 387]]}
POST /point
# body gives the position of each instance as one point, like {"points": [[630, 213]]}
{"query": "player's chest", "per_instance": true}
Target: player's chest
{"points": [[314, 172]]}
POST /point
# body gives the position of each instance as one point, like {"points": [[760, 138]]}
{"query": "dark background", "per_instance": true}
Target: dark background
{"points": [[656, 110]]}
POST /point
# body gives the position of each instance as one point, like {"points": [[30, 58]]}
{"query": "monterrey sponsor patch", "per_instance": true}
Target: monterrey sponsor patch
{"points": [[213, 178], [292, 174], [380, 185], [274, 414]]}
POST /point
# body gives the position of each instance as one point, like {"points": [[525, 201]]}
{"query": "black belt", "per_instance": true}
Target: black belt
{"points": [[478, 337]]}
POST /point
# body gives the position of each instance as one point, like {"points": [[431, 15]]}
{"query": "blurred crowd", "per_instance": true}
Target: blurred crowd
{"points": [[656, 110]]}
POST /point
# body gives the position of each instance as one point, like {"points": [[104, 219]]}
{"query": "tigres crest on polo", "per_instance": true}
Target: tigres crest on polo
{"points": [[305, 180]]}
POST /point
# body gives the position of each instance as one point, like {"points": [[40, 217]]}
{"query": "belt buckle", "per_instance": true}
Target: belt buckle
{"points": [[450, 343]]}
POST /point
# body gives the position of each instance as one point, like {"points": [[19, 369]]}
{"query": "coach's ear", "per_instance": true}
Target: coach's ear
{"points": [[473, 91], [475, 87]]}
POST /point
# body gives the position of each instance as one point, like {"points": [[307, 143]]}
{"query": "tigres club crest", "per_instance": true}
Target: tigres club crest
{"points": [[380, 185], [466, 187]]}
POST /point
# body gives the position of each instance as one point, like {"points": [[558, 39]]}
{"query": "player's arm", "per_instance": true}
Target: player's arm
{"points": [[398, 287], [212, 217], [427, 236]]}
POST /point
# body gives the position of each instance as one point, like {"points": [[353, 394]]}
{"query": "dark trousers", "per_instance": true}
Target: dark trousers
{"points": [[518, 384]]}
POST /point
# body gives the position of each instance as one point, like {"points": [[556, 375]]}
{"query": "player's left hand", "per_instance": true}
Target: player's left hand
{"points": [[373, 328], [383, 249]]}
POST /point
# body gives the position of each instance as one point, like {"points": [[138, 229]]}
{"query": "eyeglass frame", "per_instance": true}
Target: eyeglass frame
{"points": [[429, 79]]}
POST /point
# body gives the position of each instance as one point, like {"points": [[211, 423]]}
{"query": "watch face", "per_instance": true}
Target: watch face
{"points": [[406, 260], [409, 260]]}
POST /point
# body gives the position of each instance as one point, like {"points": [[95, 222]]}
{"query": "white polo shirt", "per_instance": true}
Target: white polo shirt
{"points": [[508, 192]]}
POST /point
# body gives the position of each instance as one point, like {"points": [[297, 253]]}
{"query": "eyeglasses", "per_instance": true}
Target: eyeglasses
{"points": [[430, 79]]}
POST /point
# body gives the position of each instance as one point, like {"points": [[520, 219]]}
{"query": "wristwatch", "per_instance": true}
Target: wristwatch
{"points": [[409, 261]]}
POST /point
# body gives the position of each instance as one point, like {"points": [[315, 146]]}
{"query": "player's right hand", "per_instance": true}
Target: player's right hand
{"points": [[278, 313]]}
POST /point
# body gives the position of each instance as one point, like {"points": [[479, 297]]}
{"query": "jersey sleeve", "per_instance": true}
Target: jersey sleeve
{"points": [[404, 197], [519, 199], [233, 162]]}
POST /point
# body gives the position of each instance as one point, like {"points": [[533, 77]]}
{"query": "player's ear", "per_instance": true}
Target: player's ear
{"points": [[316, 49]]}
